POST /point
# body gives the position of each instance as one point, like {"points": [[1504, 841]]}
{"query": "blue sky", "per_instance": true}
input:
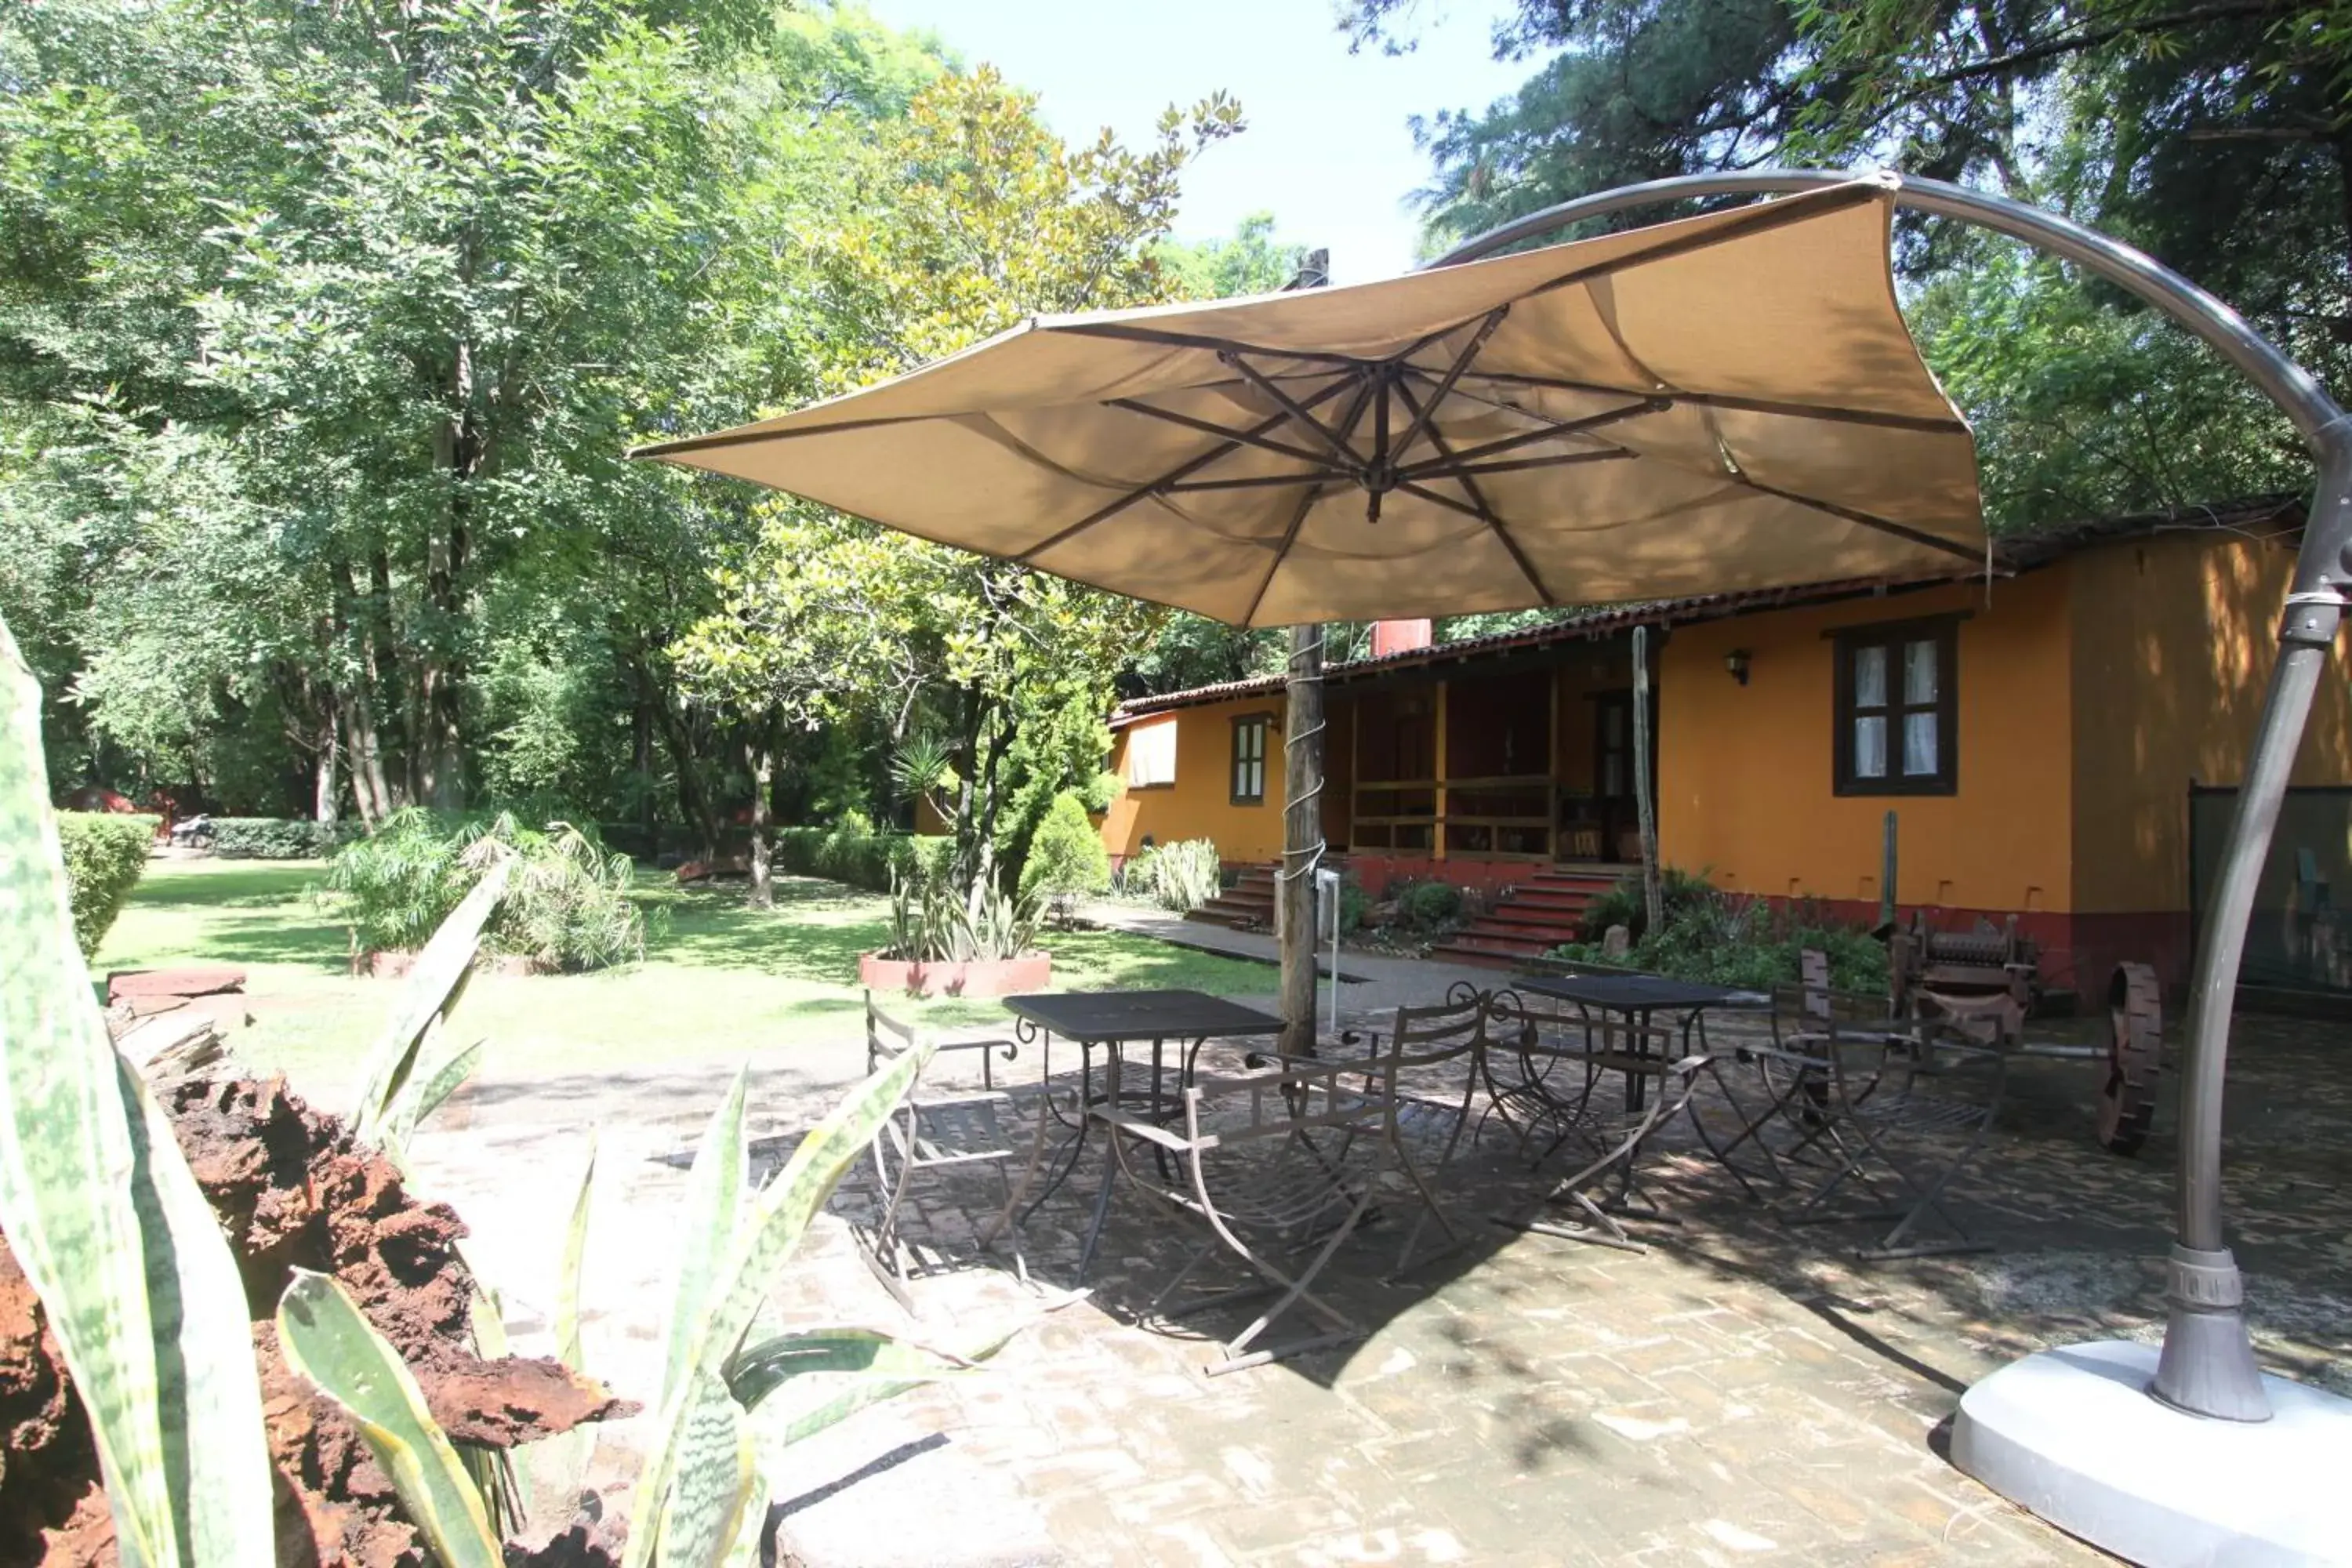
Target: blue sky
{"points": [[1327, 151]]}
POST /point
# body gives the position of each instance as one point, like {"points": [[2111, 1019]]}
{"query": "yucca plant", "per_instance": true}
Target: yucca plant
{"points": [[106, 1221], [1180, 876], [696, 1503]]}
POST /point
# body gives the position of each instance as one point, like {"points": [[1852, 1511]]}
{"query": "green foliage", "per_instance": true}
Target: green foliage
{"points": [[568, 906], [1179, 876], [408, 1065], [932, 921], [330, 1343], [1723, 940], [278, 838], [1066, 859], [106, 1221], [1625, 904], [851, 850], [1251, 262], [105, 856], [1354, 904], [1429, 906]]}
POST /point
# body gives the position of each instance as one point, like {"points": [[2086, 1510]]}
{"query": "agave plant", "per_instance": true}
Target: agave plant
{"points": [[933, 922], [106, 1221], [719, 1432]]}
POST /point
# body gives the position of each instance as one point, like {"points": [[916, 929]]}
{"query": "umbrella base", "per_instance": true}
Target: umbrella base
{"points": [[2072, 1435]]}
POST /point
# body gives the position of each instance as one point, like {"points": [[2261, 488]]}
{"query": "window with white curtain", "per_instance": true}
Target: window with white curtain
{"points": [[1897, 709], [1151, 755]]}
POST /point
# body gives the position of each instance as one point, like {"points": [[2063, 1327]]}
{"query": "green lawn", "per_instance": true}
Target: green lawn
{"points": [[720, 980]]}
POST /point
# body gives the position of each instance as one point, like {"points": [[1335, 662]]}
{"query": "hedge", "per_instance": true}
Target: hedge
{"points": [[279, 837], [105, 855], [851, 851]]}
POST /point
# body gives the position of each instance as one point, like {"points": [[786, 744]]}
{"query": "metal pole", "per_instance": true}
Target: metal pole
{"points": [[1886, 868], [2208, 1365]]}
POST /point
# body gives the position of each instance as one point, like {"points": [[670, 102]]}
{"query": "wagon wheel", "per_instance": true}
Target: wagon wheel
{"points": [[2135, 1032]]}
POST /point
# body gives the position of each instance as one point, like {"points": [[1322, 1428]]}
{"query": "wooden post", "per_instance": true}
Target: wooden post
{"points": [[1653, 895], [1887, 877], [1437, 773], [1302, 838]]}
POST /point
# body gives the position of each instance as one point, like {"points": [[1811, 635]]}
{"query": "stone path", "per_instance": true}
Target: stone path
{"points": [[1739, 1394]]}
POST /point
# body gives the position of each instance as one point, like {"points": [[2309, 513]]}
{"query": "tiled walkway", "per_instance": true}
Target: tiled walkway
{"points": [[1739, 1394]]}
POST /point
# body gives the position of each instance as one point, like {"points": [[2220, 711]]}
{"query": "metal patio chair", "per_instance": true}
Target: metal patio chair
{"points": [[1279, 1163], [944, 1128], [1615, 1133], [1897, 1108], [1435, 1054]]}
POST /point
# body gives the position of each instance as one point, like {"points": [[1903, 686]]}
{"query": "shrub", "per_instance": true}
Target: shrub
{"points": [[567, 903], [1624, 904], [105, 856], [1181, 876], [931, 921], [1066, 859], [1354, 904], [1720, 939], [852, 850], [278, 838], [1426, 906]]}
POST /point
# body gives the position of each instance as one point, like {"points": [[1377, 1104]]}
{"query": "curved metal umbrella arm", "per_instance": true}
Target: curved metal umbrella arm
{"points": [[2208, 1365]]}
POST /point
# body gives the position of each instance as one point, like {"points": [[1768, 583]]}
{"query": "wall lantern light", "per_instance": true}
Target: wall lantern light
{"points": [[1736, 661]]}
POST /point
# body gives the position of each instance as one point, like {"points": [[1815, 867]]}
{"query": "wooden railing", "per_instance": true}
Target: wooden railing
{"points": [[1470, 818]]}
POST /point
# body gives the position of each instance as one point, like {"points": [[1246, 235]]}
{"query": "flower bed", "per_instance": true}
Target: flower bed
{"points": [[967, 977]]}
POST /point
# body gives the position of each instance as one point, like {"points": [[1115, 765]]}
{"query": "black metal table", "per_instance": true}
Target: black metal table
{"points": [[1635, 998], [1110, 1021]]}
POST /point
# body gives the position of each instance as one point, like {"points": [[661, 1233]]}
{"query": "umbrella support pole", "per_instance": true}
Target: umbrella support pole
{"points": [[2204, 1482], [1302, 838]]}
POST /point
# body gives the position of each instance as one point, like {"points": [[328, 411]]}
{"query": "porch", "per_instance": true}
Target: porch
{"points": [[1526, 764]]}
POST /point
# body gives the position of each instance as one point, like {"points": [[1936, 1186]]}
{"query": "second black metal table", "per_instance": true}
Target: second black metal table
{"points": [[1111, 1021]]}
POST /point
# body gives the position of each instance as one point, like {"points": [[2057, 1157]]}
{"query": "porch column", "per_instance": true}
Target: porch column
{"points": [[1437, 773]]}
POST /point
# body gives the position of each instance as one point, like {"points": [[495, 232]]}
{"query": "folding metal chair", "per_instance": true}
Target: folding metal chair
{"points": [[1434, 1054], [1898, 1109], [942, 1129], [1277, 1162], [1616, 1135]]}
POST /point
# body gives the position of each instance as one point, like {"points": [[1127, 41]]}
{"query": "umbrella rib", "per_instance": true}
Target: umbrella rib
{"points": [[1470, 488], [1445, 386], [1519, 464], [1937, 426], [1552, 432], [1292, 407], [1306, 505], [1867, 519], [1255, 482], [1210, 427], [743, 437], [1761, 218], [1200, 341], [1181, 470]]}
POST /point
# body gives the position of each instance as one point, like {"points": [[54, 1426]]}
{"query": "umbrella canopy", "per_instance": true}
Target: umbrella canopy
{"points": [[1727, 401]]}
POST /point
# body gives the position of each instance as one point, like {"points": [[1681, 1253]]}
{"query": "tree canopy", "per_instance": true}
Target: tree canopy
{"points": [[2214, 135]]}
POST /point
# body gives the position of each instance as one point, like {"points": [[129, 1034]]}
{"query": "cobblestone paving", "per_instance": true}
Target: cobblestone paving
{"points": [[1742, 1391]]}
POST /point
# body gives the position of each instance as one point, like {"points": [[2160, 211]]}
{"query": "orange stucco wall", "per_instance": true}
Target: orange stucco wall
{"points": [[1198, 804], [1746, 775], [2174, 638]]}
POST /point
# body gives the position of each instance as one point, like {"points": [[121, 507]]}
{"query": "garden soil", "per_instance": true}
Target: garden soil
{"points": [[292, 1190]]}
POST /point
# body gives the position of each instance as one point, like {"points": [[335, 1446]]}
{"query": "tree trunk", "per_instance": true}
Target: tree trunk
{"points": [[371, 793], [691, 801], [323, 803], [764, 773], [641, 730], [1644, 805], [1302, 837]]}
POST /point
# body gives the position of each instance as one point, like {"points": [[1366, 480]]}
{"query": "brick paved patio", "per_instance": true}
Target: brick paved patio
{"points": [[1740, 1392]]}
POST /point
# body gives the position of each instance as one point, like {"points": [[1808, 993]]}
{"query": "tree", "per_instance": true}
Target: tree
{"points": [[2211, 134], [1251, 262], [1066, 859], [362, 305], [991, 679]]}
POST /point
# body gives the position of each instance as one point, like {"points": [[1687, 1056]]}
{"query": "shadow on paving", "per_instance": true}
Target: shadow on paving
{"points": [[2076, 1241]]}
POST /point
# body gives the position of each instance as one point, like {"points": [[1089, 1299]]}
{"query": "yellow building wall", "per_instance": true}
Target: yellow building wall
{"points": [[2173, 639], [1198, 804], [1746, 774]]}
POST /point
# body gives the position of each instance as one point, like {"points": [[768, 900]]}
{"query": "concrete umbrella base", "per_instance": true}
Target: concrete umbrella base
{"points": [[2072, 1435]]}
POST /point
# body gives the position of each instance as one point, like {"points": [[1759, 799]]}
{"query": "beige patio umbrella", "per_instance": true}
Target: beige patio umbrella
{"points": [[1726, 402]]}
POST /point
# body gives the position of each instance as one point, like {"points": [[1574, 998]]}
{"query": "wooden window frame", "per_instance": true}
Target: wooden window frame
{"points": [[1264, 723], [1846, 642]]}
